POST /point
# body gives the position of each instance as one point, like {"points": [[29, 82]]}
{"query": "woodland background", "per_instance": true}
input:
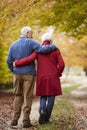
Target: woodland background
{"points": [[69, 17]]}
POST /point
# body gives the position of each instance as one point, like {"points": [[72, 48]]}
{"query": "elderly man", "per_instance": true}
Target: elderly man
{"points": [[24, 77]]}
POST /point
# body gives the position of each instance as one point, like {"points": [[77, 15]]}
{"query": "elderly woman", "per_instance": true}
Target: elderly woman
{"points": [[49, 69]]}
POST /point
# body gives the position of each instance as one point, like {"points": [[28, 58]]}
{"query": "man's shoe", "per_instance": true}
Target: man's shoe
{"points": [[27, 125], [14, 123]]}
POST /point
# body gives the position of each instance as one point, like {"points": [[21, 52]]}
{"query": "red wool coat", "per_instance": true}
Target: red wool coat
{"points": [[49, 69]]}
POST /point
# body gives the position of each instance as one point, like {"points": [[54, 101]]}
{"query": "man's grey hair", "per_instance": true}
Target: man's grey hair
{"points": [[25, 29]]}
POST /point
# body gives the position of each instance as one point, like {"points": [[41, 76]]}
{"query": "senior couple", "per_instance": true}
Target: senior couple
{"points": [[50, 66]]}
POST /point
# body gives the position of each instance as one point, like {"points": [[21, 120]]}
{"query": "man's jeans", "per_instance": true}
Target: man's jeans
{"points": [[46, 105]]}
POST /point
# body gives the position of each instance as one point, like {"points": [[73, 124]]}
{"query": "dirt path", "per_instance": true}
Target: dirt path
{"points": [[80, 113], [79, 98], [79, 101], [6, 113], [6, 109]]}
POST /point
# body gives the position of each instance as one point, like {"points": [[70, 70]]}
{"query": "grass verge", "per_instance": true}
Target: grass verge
{"points": [[62, 117], [69, 89]]}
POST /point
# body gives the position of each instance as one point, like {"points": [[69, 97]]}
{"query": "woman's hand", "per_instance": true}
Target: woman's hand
{"points": [[13, 64]]}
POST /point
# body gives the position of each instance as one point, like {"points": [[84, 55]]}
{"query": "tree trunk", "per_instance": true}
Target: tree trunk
{"points": [[85, 69]]}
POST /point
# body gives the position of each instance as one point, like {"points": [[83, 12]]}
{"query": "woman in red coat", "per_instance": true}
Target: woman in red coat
{"points": [[49, 69]]}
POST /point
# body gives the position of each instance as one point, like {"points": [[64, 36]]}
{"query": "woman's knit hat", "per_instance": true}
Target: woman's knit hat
{"points": [[48, 35]]}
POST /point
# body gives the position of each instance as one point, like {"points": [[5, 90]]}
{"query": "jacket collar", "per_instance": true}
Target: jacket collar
{"points": [[46, 42]]}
